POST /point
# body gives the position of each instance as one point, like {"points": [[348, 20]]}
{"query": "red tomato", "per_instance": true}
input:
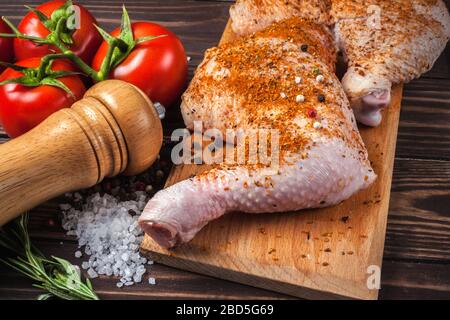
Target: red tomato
{"points": [[6, 45], [158, 67], [86, 39], [22, 108]]}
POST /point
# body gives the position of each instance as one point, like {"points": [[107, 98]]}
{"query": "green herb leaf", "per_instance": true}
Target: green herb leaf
{"points": [[45, 296], [89, 284], [56, 276]]}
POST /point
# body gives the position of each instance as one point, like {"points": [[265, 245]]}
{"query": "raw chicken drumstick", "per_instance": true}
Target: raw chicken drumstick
{"points": [[383, 41], [281, 79]]}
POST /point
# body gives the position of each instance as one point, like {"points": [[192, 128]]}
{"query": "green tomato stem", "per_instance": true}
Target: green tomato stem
{"points": [[54, 39], [25, 37], [105, 68], [103, 73], [45, 61], [18, 34], [68, 54], [22, 36]]}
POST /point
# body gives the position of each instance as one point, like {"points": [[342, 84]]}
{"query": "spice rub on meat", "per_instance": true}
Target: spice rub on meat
{"points": [[272, 80], [386, 42], [249, 16], [311, 37], [383, 41]]}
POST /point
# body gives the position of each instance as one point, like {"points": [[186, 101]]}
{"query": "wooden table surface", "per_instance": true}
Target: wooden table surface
{"points": [[416, 261]]}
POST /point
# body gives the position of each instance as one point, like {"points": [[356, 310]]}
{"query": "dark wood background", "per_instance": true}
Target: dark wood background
{"points": [[417, 251]]}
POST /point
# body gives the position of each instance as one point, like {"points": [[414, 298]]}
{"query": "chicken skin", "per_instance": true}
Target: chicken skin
{"points": [[280, 79], [383, 41]]}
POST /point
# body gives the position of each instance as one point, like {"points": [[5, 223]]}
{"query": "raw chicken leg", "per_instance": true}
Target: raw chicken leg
{"points": [[268, 80], [249, 16], [384, 41]]}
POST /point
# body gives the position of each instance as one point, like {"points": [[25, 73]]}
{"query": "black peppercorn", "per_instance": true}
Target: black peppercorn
{"points": [[321, 98], [304, 47]]}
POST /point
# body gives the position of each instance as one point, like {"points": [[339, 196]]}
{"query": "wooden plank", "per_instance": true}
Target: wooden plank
{"points": [[418, 281], [400, 280], [419, 219], [170, 284], [311, 254], [424, 131]]}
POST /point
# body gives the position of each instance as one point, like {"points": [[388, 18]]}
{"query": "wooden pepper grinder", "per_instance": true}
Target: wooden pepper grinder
{"points": [[113, 129]]}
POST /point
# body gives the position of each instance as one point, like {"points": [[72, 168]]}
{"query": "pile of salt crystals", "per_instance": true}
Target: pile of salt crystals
{"points": [[109, 231]]}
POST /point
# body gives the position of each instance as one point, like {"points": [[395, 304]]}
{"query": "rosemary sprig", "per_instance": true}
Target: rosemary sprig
{"points": [[58, 277]]}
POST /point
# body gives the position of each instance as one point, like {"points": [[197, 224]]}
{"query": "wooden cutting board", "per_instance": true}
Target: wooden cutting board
{"points": [[321, 253]]}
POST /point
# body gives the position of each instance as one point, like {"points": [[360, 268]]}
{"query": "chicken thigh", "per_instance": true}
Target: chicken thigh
{"points": [[280, 79], [386, 42], [383, 41]]}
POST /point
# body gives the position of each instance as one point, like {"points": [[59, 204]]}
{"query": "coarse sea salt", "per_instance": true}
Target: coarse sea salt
{"points": [[109, 234], [300, 98]]}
